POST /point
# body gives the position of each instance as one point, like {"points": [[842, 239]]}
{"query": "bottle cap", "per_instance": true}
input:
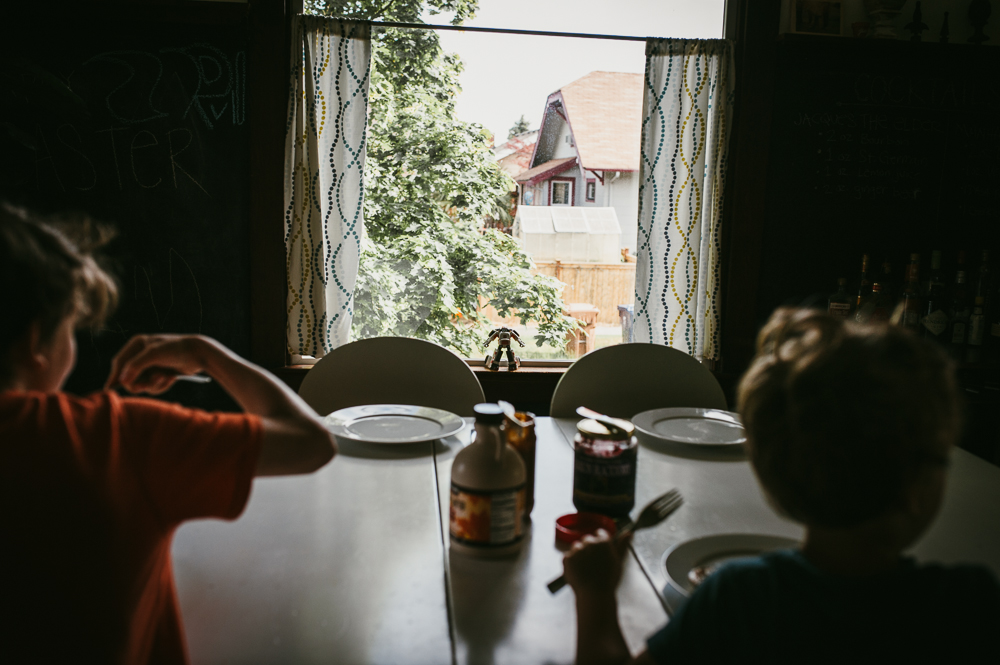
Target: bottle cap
{"points": [[488, 413], [595, 430]]}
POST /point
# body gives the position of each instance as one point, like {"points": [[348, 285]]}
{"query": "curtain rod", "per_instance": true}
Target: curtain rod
{"points": [[505, 31]]}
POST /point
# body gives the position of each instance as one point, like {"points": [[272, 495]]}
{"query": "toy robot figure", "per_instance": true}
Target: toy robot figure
{"points": [[504, 336]]}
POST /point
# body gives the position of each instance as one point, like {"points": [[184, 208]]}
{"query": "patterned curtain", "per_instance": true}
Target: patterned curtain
{"points": [[324, 188], [687, 117]]}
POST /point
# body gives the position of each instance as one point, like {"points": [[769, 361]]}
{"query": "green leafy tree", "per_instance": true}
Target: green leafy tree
{"points": [[427, 264], [519, 127]]}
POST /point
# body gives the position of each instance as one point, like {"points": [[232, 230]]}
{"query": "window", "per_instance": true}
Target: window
{"points": [[561, 193], [413, 280]]}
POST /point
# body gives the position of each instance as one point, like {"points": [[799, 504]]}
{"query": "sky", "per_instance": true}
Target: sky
{"points": [[509, 75]]}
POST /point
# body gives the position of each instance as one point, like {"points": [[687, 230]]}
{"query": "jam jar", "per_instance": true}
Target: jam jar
{"points": [[604, 468]]}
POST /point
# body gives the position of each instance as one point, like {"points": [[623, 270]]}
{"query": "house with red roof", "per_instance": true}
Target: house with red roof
{"points": [[587, 150]]}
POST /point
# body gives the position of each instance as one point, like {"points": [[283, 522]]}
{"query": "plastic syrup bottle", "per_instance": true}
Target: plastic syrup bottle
{"points": [[487, 491]]}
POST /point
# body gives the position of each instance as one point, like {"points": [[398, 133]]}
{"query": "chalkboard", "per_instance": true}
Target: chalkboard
{"points": [[143, 126], [884, 148]]}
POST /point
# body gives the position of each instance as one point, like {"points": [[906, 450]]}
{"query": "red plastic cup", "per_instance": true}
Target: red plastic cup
{"points": [[571, 528]]}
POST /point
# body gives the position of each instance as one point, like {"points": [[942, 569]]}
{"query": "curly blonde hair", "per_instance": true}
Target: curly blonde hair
{"points": [[839, 416]]}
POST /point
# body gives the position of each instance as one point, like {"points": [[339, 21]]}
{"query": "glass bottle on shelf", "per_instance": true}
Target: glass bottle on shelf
{"points": [[984, 280], [958, 316], [910, 302], [885, 281], [977, 325], [864, 283], [934, 322], [875, 307], [839, 303]]}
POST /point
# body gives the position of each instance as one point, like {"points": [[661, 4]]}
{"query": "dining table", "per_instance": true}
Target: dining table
{"points": [[351, 564]]}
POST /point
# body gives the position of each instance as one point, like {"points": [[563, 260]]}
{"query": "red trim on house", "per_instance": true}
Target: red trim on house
{"points": [[569, 163], [586, 190], [600, 176], [572, 190]]}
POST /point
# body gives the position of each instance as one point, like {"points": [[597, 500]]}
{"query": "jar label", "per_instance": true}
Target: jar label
{"points": [[486, 518], [604, 484]]}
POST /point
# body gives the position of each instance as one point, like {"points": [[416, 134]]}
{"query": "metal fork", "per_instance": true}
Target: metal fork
{"points": [[655, 512]]}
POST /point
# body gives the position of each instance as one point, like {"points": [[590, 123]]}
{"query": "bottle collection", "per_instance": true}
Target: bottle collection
{"points": [[959, 310]]}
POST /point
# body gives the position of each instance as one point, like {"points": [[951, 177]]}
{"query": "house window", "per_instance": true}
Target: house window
{"points": [[561, 193], [591, 190]]}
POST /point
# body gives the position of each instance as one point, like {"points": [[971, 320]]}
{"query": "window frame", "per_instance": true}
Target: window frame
{"points": [[572, 191], [269, 27], [590, 190]]}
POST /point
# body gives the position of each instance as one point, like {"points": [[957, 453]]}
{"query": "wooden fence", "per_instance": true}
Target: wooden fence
{"points": [[605, 285]]}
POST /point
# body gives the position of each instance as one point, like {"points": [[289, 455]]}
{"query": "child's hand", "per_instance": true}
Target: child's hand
{"points": [[594, 564], [151, 363]]}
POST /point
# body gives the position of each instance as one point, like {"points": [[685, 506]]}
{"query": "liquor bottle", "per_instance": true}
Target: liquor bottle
{"points": [[935, 319], [839, 303], [864, 283], [984, 280], [977, 325], [909, 303], [487, 491], [886, 282], [875, 307], [959, 312]]}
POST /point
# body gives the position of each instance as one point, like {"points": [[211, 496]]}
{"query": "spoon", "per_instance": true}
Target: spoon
{"points": [[613, 424]]}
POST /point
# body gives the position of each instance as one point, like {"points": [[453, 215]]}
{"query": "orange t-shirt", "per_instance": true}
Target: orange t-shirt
{"points": [[91, 491]]}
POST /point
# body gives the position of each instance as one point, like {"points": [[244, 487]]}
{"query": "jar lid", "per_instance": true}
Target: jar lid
{"points": [[595, 430], [571, 528], [488, 413]]}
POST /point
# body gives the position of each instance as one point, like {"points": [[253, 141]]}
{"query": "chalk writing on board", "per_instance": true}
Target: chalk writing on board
{"points": [[133, 80], [180, 284]]}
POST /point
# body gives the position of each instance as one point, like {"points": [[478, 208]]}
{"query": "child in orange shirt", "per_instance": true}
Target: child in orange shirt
{"points": [[94, 487], [849, 431]]}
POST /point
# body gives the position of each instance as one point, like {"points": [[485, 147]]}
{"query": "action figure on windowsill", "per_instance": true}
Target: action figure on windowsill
{"points": [[504, 336]]}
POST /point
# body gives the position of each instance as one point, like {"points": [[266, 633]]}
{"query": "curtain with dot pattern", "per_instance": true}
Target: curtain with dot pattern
{"points": [[687, 119], [324, 184]]}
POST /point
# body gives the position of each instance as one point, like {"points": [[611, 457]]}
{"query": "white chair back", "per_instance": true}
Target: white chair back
{"points": [[627, 379], [392, 370]]}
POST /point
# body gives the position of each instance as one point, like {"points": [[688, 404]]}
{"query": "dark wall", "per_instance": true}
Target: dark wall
{"points": [[142, 125]]}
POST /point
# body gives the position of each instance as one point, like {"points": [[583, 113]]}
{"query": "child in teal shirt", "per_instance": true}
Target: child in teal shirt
{"points": [[849, 431]]}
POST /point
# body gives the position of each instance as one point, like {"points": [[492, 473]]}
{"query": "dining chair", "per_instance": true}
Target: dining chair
{"points": [[392, 370], [627, 379]]}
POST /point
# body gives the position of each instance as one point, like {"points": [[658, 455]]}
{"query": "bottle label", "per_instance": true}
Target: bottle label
{"points": [[976, 325], [935, 322], [911, 318], [840, 309], [486, 518], [958, 333]]}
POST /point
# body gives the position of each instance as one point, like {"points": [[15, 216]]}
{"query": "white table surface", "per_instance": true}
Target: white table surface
{"points": [[350, 564]]}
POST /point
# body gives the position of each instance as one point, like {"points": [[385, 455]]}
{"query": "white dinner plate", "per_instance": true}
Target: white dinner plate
{"points": [[700, 427], [712, 552], [393, 423]]}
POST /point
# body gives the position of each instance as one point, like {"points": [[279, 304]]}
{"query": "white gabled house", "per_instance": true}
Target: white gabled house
{"points": [[587, 150]]}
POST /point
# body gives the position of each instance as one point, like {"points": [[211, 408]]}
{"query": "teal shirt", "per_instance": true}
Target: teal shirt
{"points": [[778, 608]]}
